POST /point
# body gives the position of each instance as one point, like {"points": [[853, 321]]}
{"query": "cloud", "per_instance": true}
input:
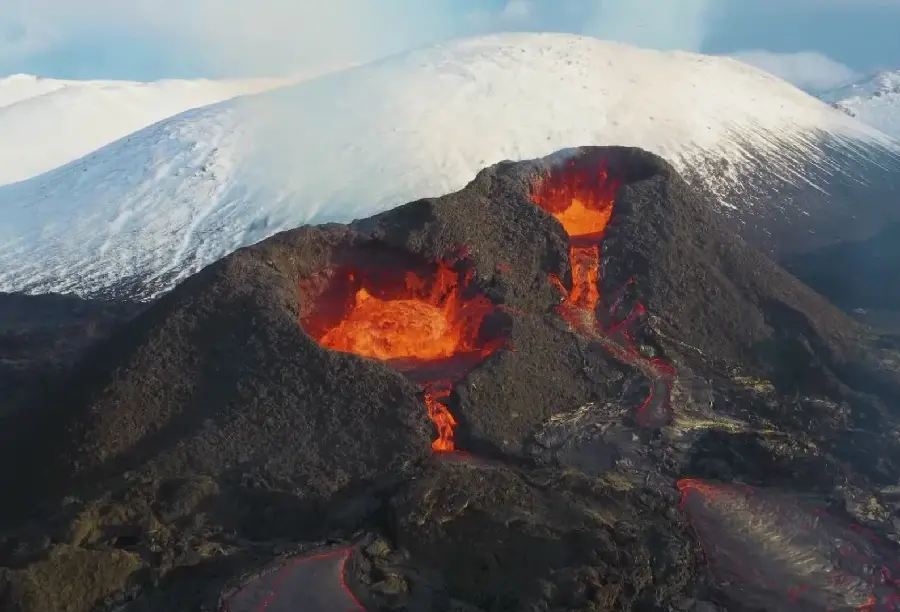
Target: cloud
{"points": [[514, 14], [807, 70], [278, 36], [518, 9], [657, 24], [22, 32], [236, 36]]}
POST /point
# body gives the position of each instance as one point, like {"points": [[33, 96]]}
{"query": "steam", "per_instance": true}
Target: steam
{"points": [[807, 70], [656, 24]]}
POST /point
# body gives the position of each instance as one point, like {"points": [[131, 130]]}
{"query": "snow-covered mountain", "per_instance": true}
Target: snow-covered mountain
{"points": [[45, 123], [874, 100], [786, 170]]}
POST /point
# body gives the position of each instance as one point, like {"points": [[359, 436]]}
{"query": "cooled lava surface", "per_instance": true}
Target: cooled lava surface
{"points": [[566, 386], [776, 554]]}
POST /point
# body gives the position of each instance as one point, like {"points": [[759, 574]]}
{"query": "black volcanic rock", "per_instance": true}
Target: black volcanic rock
{"points": [[42, 336], [211, 441]]}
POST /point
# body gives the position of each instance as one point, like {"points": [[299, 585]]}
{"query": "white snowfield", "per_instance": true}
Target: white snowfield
{"points": [[45, 123], [874, 100], [17, 87], [171, 198]]}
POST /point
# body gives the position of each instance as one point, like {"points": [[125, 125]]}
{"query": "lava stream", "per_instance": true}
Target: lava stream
{"points": [[418, 326], [582, 199], [316, 582]]}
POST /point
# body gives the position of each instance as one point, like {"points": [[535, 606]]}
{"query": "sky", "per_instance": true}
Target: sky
{"points": [[814, 43]]}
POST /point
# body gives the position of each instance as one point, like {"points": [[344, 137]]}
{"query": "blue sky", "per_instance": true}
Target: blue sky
{"points": [[812, 42]]}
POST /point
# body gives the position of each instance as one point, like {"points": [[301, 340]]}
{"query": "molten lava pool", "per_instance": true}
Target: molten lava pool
{"points": [[425, 322]]}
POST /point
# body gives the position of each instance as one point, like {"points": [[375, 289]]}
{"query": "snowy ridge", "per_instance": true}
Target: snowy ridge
{"points": [[874, 100], [17, 87], [163, 202], [46, 123]]}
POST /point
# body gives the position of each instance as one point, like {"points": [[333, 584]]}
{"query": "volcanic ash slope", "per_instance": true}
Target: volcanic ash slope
{"points": [[787, 171], [584, 354]]}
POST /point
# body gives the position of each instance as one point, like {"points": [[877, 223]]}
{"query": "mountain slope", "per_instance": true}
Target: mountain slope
{"points": [[786, 170], [874, 100], [46, 123]]}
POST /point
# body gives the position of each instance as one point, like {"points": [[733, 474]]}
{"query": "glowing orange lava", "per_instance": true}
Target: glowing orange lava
{"points": [[435, 396], [580, 302], [427, 323], [581, 200], [414, 324]]}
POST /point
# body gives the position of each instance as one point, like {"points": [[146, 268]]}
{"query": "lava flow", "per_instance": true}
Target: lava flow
{"points": [[581, 199], [771, 551], [421, 323], [317, 582]]}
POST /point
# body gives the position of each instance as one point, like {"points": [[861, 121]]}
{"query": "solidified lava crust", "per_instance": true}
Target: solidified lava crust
{"points": [[784, 556], [581, 196]]}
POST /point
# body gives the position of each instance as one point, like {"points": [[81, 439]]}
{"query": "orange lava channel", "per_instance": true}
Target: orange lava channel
{"points": [[582, 202], [429, 322]]}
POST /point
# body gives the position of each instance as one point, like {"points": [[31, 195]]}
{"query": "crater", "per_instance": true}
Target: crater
{"points": [[425, 319]]}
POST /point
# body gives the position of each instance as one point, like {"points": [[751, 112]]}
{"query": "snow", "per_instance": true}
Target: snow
{"points": [[17, 87], [173, 197], [874, 100], [45, 123]]}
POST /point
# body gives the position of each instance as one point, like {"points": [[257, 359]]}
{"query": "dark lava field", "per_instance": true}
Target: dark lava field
{"points": [[567, 386]]}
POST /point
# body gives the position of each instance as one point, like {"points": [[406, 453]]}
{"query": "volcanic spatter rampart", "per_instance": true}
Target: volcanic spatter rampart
{"points": [[300, 399]]}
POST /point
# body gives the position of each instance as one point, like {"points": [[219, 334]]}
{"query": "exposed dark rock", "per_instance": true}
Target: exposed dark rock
{"points": [[211, 438], [42, 336]]}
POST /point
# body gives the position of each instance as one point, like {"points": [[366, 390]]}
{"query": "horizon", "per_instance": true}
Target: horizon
{"points": [[814, 45]]}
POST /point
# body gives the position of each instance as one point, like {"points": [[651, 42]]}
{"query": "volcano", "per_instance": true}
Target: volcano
{"points": [[567, 386], [421, 323]]}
